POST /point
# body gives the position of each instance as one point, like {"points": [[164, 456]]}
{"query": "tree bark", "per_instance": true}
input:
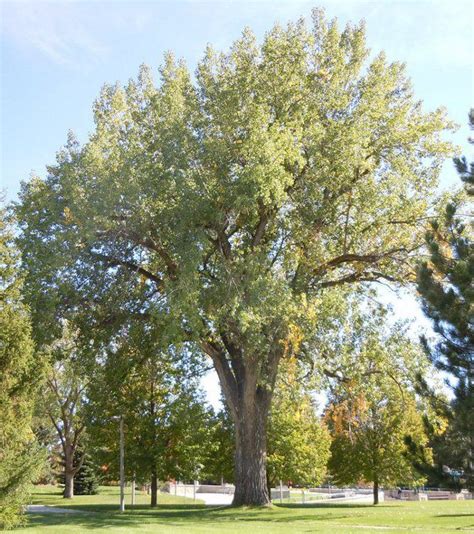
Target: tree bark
{"points": [[154, 489], [69, 470], [250, 454], [68, 484], [376, 491]]}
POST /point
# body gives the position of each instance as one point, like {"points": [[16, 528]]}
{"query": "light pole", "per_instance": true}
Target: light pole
{"points": [[196, 479], [122, 461], [122, 467], [133, 489]]}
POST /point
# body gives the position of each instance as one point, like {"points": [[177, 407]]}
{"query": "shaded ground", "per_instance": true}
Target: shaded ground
{"points": [[442, 517], [42, 509]]}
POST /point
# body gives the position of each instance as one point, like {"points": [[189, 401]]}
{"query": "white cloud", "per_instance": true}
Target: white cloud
{"points": [[58, 31]]}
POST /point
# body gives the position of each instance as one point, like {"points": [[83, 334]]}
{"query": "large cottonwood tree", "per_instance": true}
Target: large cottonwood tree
{"points": [[220, 207]]}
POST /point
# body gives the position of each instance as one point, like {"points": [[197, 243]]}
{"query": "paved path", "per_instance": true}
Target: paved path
{"points": [[220, 499], [213, 499], [41, 509]]}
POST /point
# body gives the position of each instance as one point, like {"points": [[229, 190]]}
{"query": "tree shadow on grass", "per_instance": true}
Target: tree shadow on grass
{"points": [[455, 515], [170, 515], [343, 506], [106, 508]]}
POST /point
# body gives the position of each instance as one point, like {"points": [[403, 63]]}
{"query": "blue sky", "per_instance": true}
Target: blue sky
{"points": [[56, 55]]}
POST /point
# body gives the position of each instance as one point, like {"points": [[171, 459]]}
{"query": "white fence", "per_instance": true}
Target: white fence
{"points": [[312, 495], [437, 494], [192, 490]]}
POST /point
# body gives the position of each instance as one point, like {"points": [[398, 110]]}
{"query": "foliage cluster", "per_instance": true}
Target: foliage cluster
{"points": [[21, 460]]}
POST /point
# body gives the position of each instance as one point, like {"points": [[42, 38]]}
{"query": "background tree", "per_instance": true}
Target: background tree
{"points": [[87, 478], [445, 284], [21, 373], [298, 441], [167, 424], [223, 208], [370, 440], [63, 403], [375, 419], [219, 465]]}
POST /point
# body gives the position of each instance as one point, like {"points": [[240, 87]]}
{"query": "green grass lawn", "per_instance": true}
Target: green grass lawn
{"points": [[181, 515], [106, 499]]}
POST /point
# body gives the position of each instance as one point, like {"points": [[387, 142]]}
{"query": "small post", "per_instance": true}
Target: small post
{"points": [[194, 490], [133, 490], [303, 497], [122, 467], [281, 491]]}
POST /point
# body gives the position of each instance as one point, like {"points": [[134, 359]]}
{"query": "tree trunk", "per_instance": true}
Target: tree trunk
{"points": [[69, 470], [247, 384], [250, 453], [154, 489], [376, 491], [68, 484], [269, 488]]}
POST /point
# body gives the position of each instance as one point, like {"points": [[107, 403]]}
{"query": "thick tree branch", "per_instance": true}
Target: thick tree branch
{"points": [[227, 378], [153, 245], [358, 277], [262, 223], [360, 258], [236, 360], [144, 241], [77, 434], [224, 244], [115, 262], [58, 429]]}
